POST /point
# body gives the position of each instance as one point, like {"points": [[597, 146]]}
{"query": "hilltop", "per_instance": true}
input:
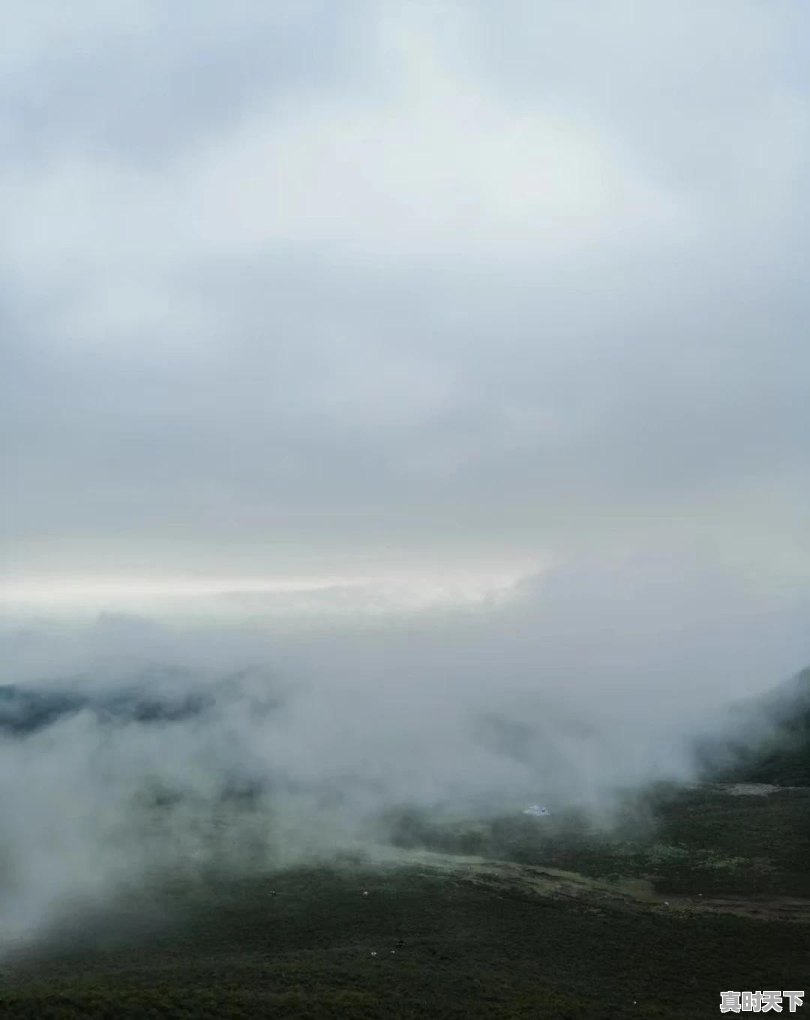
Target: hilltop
{"points": [[772, 740]]}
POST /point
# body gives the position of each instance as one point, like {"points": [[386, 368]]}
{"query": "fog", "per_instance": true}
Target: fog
{"points": [[133, 747], [402, 404]]}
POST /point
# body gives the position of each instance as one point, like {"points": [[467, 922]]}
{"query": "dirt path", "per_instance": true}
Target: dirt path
{"points": [[635, 893]]}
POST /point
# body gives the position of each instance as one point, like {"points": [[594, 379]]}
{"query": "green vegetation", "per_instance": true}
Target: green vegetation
{"points": [[693, 840], [680, 894], [461, 949], [775, 742], [467, 939]]}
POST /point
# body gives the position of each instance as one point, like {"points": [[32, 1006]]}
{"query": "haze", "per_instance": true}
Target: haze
{"points": [[432, 362]]}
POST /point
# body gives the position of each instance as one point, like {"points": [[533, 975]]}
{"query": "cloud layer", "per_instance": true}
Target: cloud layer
{"points": [[305, 292], [290, 288], [124, 744]]}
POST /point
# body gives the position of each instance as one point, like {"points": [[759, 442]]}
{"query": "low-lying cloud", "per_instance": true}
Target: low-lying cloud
{"points": [[130, 747]]}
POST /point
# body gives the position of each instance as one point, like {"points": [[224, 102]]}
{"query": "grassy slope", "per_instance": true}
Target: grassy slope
{"points": [[483, 948], [694, 840], [463, 948], [776, 746], [466, 951]]}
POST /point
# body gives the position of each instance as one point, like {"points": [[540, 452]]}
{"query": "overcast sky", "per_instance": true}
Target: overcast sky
{"points": [[317, 289], [426, 294]]}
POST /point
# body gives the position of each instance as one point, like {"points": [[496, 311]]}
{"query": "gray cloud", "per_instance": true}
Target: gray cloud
{"points": [[290, 276], [582, 681], [389, 296]]}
